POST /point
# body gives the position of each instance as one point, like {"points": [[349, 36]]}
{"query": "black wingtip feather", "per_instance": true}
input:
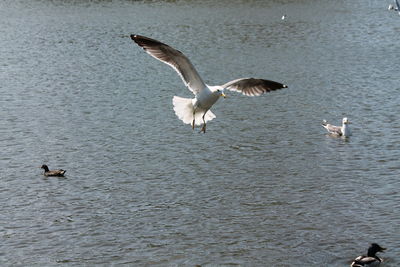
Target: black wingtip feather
{"points": [[145, 41]]}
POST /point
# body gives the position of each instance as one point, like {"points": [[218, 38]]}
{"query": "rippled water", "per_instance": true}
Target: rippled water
{"points": [[265, 186]]}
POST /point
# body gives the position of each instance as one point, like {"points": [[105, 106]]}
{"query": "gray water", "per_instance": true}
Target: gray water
{"points": [[265, 186]]}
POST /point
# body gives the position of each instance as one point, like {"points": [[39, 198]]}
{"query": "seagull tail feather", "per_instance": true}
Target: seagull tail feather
{"points": [[183, 108]]}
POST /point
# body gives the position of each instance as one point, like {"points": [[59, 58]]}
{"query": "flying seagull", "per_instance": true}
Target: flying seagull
{"points": [[193, 111], [343, 130], [395, 7]]}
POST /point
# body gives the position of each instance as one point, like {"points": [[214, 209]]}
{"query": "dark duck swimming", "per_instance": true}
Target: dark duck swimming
{"points": [[371, 260], [48, 172]]}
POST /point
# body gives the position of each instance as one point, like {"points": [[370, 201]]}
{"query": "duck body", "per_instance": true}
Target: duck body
{"points": [[371, 260], [48, 172], [365, 261]]}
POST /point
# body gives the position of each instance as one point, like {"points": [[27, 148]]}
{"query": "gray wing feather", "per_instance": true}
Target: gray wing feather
{"points": [[333, 129], [174, 58], [253, 87], [397, 4]]}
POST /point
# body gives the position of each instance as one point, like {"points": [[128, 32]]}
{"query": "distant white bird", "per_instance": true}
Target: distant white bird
{"points": [[371, 260], [284, 17], [395, 7], [343, 130], [192, 111]]}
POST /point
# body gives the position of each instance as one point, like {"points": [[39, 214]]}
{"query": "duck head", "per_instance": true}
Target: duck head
{"points": [[44, 166], [374, 248]]}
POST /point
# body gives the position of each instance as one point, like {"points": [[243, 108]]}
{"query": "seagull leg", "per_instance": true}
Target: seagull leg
{"points": [[194, 113], [203, 129]]}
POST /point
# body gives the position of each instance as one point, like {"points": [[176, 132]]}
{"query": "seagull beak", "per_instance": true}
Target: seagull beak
{"points": [[224, 95]]}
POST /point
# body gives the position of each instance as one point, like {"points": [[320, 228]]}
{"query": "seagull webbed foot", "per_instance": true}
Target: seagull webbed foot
{"points": [[203, 129]]}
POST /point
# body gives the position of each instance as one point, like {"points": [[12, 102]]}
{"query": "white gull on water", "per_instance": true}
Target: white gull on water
{"points": [[196, 110], [343, 130]]}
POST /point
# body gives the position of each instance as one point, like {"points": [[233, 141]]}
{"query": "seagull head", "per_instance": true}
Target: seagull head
{"points": [[345, 120], [391, 7], [217, 90]]}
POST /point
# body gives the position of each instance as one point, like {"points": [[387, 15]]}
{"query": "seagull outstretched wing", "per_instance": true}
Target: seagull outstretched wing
{"points": [[176, 59], [253, 87]]}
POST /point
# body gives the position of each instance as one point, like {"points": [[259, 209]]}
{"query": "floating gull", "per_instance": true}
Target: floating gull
{"points": [[396, 7], [192, 111], [284, 17], [371, 259], [343, 130]]}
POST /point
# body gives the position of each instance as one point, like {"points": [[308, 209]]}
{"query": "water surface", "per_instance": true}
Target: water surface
{"points": [[265, 186]]}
